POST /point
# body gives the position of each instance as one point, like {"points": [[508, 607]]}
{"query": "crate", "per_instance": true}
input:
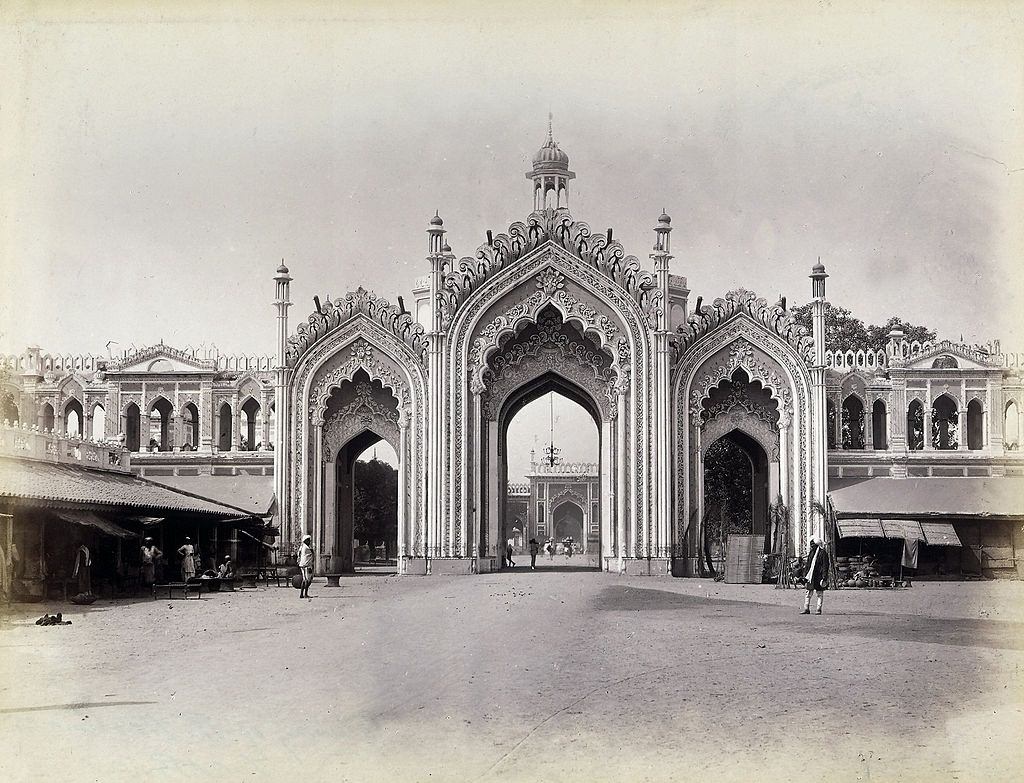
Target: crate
{"points": [[744, 563]]}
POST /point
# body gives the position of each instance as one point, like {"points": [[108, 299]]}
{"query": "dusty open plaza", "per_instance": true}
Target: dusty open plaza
{"points": [[552, 675]]}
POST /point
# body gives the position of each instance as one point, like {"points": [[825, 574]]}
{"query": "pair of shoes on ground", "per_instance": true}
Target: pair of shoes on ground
{"points": [[808, 611]]}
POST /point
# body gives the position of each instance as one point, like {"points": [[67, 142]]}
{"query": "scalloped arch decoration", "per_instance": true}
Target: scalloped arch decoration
{"points": [[598, 251], [772, 317], [362, 358], [332, 316], [742, 355]]}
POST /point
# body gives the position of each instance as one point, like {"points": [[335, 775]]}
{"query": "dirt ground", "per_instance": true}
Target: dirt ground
{"points": [[543, 676]]}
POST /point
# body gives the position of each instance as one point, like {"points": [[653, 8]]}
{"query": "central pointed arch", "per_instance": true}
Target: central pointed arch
{"points": [[612, 322], [548, 382]]}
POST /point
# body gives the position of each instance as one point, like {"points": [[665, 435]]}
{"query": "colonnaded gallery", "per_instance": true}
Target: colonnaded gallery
{"points": [[927, 433]]}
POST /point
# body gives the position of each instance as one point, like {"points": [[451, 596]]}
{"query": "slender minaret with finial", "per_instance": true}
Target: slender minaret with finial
{"points": [[282, 301], [662, 539], [819, 406], [550, 175]]}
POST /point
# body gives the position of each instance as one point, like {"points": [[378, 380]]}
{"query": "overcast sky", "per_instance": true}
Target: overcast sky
{"points": [[157, 165]]}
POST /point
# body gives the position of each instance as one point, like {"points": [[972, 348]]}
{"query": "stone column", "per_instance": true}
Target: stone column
{"points": [[472, 518], [236, 418], [961, 429], [403, 477], [784, 424], [621, 480]]}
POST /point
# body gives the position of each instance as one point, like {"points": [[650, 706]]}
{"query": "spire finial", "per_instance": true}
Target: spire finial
{"points": [[551, 139]]}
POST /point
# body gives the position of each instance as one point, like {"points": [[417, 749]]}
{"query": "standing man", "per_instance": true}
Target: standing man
{"points": [[305, 558], [187, 552], [534, 549], [508, 555], [817, 574], [150, 556]]}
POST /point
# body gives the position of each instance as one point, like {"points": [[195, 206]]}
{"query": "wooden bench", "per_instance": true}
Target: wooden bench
{"points": [[185, 587]]}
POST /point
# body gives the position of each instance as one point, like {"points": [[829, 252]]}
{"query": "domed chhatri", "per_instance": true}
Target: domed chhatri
{"points": [[436, 220], [550, 175]]}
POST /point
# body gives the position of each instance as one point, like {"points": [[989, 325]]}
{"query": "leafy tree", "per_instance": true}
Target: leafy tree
{"points": [[375, 495], [877, 335], [727, 490], [844, 331]]}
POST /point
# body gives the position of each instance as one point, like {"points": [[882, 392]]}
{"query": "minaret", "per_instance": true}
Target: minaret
{"points": [[819, 408], [436, 469], [662, 548], [282, 301], [550, 175]]}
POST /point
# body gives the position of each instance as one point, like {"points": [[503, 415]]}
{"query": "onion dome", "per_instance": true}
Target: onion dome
{"points": [[282, 270], [664, 218], [550, 154], [436, 220]]}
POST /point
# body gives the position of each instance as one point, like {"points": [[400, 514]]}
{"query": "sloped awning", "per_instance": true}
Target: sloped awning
{"points": [[940, 534], [966, 497], [43, 483], [860, 528], [250, 494], [90, 519], [907, 529]]}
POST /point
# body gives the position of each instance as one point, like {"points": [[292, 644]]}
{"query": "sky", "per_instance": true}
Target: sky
{"points": [[158, 161]]}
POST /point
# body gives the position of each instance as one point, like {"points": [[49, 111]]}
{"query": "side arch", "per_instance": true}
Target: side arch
{"points": [[767, 357], [356, 345]]}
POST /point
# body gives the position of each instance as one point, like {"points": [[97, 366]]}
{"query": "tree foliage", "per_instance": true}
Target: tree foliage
{"points": [[375, 496], [727, 491], [845, 332]]}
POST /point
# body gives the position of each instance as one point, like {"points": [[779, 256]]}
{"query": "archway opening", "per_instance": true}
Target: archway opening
{"points": [[1011, 426], [975, 429], [48, 417], [160, 425], [549, 445], [879, 426], [250, 430], [360, 435], [945, 431], [915, 425], [190, 423], [73, 418], [132, 427], [224, 427], [736, 492], [853, 423], [99, 422]]}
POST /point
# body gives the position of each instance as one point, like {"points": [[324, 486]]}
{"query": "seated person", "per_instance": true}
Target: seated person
{"points": [[226, 570]]}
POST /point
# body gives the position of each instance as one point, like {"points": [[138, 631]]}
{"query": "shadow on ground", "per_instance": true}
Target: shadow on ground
{"points": [[958, 632]]}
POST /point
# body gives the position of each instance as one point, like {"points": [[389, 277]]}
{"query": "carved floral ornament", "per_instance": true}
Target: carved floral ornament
{"points": [[742, 355], [333, 315], [460, 278], [766, 434], [361, 356], [550, 285], [567, 495], [362, 413]]}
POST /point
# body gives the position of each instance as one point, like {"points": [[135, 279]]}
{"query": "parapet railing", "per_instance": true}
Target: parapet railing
{"points": [[22, 441]]}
